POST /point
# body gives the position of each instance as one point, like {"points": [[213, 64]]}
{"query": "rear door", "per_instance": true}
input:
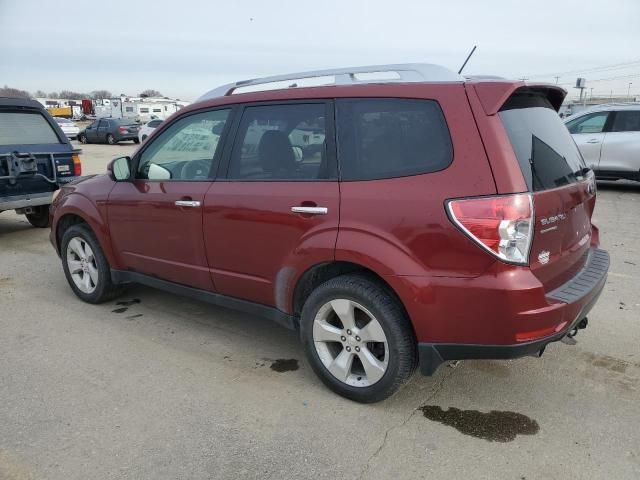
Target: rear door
{"points": [[27, 133], [563, 188], [155, 221], [276, 213], [621, 148], [589, 133]]}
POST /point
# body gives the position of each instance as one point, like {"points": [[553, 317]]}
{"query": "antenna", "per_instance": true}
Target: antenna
{"points": [[468, 57]]}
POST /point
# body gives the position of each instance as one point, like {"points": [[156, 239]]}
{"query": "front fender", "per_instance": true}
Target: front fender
{"points": [[92, 210]]}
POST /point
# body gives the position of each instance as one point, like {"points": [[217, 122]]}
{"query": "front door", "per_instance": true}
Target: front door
{"points": [[156, 220], [589, 134], [276, 213], [102, 131], [91, 132]]}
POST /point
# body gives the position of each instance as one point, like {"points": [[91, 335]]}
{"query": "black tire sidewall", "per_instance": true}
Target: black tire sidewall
{"points": [[40, 219], [83, 139], [112, 141], [392, 319], [104, 286]]}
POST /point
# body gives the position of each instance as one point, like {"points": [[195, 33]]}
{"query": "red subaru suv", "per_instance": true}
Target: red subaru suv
{"points": [[398, 216]]}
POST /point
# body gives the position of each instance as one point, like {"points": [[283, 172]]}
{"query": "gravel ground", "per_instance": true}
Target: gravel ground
{"points": [[163, 387]]}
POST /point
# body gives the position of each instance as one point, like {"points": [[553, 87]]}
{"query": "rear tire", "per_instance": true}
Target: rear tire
{"points": [[353, 326], [85, 266], [40, 217], [111, 140]]}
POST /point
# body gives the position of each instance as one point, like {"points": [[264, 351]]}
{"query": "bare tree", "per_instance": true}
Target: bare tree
{"points": [[150, 93], [14, 92], [101, 94], [53, 95], [40, 94], [73, 95]]}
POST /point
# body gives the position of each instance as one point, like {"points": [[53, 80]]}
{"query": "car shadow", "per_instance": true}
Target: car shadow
{"points": [[620, 186]]}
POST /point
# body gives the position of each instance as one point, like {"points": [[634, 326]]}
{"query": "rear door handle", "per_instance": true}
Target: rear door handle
{"points": [[593, 140], [187, 203], [310, 210]]}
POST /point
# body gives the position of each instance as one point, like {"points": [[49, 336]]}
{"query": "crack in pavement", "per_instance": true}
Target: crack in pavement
{"points": [[383, 444]]}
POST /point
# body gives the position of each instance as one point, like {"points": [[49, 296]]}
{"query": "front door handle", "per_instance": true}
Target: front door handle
{"points": [[187, 203], [310, 210], [593, 140]]}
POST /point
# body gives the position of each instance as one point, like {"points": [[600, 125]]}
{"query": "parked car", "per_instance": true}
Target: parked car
{"points": [[35, 159], [69, 128], [443, 218], [110, 130], [148, 128], [608, 137]]}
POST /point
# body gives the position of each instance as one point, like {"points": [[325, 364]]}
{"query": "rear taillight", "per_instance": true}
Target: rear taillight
{"points": [[122, 129], [77, 166], [502, 225]]}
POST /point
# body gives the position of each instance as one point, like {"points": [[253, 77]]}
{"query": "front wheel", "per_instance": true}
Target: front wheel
{"points": [[136, 140], [85, 266], [357, 338], [83, 138], [39, 217], [111, 140]]}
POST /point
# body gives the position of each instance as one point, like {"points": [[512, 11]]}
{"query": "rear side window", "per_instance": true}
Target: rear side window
{"points": [[154, 123], [545, 150], [626, 121], [25, 128], [387, 138]]}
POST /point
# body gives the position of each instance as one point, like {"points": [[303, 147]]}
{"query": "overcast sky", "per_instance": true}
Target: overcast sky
{"points": [[184, 48]]}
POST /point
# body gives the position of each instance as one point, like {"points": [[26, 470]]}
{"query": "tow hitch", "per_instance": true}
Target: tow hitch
{"points": [[568, 338]]}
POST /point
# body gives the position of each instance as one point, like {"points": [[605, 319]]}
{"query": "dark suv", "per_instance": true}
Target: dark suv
{"points": [[401, 216], [35, 158]]}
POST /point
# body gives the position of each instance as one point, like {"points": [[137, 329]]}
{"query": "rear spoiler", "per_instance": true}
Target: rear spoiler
{"points": [[494, 94]]}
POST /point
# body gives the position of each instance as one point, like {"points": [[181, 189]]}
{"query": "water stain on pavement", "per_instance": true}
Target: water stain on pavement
{"points": [[495, 426], [128, 303], [285, 365], [120, 310]]}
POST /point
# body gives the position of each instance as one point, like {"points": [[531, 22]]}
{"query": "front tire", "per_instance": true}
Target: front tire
{"points": [[111, 140], [358, 339], [136, 140], [83, 139], [85, 266]]}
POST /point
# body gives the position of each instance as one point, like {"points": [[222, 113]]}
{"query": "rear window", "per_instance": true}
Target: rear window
{"points": [[546, 152], [25, 128], [387, 138]]}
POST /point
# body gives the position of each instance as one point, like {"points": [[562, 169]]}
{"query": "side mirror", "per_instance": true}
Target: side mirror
{"points": [[119, 169]]}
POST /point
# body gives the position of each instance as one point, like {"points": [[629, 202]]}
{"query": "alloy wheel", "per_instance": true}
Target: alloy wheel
{"points": [[82, 265], [351, 343]]}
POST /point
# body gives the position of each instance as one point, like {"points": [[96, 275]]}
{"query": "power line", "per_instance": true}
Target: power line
{"points": [[590, 70]]}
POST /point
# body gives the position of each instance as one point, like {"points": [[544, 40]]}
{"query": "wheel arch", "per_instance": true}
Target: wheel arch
{"points": [[322, 272]]}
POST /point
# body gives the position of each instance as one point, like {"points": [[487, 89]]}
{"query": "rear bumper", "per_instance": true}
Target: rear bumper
{"points": [[566, 307], [24, 201]]}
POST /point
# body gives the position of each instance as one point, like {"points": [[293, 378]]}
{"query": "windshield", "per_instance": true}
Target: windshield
{"points": [[25, 128], [546, 152]]}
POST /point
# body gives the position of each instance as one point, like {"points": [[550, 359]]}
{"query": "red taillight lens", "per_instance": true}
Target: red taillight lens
{"points": [[502, 225], [122, 130], [77, 166]]}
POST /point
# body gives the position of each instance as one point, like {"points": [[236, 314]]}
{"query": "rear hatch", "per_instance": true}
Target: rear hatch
{"points": [[34, 154], [563, 188]]}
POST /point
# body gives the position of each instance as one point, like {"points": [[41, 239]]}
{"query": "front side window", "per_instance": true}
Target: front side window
{"points": [[593, 123], [20, 128], [281, 142], [626, 121], [387, 138], [186, 150]]}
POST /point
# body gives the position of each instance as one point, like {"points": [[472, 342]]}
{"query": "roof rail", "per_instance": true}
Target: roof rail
{"points": [[404, 72]]}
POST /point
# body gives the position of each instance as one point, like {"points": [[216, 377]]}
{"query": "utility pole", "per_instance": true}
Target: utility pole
{"points": [[591, 93], [629, 90], [557, 78]]}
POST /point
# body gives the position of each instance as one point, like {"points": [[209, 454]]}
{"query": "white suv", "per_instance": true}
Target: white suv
{"points": [[608, 137]]}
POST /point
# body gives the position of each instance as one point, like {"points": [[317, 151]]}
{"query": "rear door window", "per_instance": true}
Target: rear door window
{"points": [[25, 128], [387, 138], [626, 121], [545, 150], [282, 142], [593, 123]]}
